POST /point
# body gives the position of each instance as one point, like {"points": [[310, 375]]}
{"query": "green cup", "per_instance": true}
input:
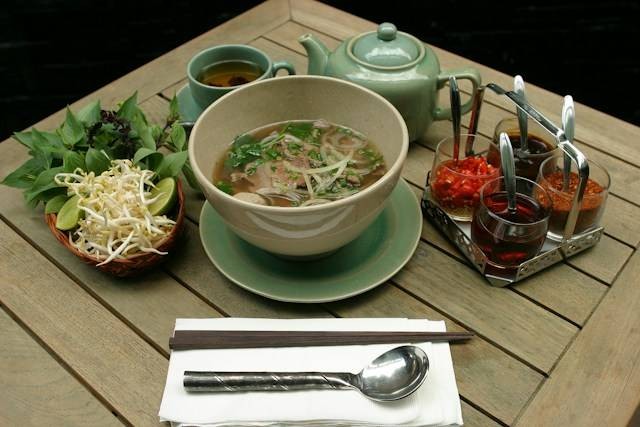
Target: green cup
{"points": [[204, 94]]}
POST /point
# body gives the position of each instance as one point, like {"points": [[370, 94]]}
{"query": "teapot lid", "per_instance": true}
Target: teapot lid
{"points": [[387, 47]]}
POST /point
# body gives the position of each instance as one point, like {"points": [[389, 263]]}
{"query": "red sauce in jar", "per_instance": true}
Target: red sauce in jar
{"points": [[456, 185], [592, 201]]}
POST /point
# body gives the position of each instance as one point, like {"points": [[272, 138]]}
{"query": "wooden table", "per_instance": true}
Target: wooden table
{"points": [[562, 348]]}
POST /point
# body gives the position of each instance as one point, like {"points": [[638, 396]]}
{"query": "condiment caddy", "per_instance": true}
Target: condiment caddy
{"points": [[558, 245]]}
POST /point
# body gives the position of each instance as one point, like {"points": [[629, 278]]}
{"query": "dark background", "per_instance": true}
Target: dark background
{"points": [[53, 52]]}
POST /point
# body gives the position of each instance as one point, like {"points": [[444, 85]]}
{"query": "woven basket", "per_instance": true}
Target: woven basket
{"points": [[134, 264]]}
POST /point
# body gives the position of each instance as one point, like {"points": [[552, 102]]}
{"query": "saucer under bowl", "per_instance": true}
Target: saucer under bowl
{"points": [[368, 261]]}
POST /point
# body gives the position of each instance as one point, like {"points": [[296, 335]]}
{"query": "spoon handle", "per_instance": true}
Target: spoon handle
{"points": [[518, 87], [474, 121], [222, 382], [456, 114], [568, 125], [508, 170]]}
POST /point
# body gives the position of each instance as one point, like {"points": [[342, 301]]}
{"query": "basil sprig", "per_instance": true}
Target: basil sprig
{"points": [[90, 138]]}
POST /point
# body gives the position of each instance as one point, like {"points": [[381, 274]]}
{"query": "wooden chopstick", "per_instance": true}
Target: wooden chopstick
{"points": [[192, 340]]}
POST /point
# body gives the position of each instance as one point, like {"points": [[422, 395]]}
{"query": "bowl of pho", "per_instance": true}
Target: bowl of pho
{"points": [[300, 165]]}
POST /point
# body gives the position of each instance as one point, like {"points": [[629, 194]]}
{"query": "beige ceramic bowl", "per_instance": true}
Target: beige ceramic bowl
{"points": [[299, 231]]}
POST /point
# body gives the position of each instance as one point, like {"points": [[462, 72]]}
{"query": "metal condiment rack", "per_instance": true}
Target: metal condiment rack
{"points": [[552, 252]]}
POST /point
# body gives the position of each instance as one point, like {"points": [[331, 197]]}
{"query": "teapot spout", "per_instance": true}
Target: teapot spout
{"points": [[317, 53]]}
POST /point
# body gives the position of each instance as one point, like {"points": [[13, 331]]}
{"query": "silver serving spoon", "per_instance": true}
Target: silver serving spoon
{"points": [[454, 94], [518, 87], [508, 171], [569, 126], [474, 121], [393, 375]]}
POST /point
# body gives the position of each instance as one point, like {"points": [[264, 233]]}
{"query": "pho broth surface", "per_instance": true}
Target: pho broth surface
{"points": [[298, 163]]}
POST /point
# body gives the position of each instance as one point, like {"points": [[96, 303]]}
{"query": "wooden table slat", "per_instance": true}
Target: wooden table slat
{"points": [[516, 324], [150, 303], [560, 288], [96, 324], [597, 382], [104, 352], [36, 390], [486, 375]]}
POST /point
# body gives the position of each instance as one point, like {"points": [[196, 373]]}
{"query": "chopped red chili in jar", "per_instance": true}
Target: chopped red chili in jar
{"points": [[456, 185], [562, 200]]}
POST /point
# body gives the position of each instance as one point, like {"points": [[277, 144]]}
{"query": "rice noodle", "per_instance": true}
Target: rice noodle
{"points": [[325, 169], [312, 202], [306, 161]]}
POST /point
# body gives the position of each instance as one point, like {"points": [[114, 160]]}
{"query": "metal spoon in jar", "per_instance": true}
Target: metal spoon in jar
{"points": [[474, 121], [569, 126], [508, 171], [391, 376], [518, 87], [454, 94]]}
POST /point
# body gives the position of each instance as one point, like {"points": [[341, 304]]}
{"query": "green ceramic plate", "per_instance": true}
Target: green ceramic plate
{"points": [[361, 265], [189, 110]]}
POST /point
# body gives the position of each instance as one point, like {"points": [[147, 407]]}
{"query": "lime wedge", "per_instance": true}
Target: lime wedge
{"points": [[55, 204], [69, 214], [168, 191]]}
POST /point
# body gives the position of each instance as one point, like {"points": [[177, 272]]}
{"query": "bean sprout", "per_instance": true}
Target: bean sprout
{"points": [[117, 221]]}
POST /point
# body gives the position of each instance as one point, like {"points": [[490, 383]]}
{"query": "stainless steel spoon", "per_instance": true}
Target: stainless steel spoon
{"points": [[456, 114], [474, 121], [508, 171], [391, 376], [518, 87], [569, 126]]}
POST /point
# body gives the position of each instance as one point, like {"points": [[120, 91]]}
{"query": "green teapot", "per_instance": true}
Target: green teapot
{"points": [[394, 64]]}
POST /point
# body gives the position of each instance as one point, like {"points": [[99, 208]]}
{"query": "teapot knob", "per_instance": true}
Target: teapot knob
{"points": [[387, 31]]}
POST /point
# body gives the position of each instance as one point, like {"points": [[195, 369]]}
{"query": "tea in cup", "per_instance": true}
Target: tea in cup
{"points": [[218, 70]]}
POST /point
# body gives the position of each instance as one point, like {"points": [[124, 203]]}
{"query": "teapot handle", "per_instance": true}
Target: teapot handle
{"points": [[461, 74]]}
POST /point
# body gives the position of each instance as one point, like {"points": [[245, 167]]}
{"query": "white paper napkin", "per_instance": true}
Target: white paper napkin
{"points": [[436, 403]]}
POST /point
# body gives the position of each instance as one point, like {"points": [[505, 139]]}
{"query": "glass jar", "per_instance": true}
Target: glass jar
{"points": [[541, 145], [551, 179], [509, 238], [455, 186]]}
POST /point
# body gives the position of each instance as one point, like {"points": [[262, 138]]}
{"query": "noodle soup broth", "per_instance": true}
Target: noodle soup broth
{"points": [[298, 163]]}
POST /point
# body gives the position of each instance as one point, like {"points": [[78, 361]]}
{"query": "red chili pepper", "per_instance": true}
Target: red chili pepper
{"points": [[457, 185]]}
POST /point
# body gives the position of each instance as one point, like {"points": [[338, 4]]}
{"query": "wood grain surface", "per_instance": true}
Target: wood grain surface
{"points": [[35, 390], [560, 348]]}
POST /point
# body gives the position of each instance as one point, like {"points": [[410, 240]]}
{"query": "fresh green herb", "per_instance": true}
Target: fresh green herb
{"points": [[273, 168], [375, 159], [245, 149], [244, 139], [301, 130], [350, 132], [90, 138], [252, 167], [272, 153], [294, 147], [225, 186]]}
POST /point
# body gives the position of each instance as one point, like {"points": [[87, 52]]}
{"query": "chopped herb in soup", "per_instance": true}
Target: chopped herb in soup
{"points": [[298, 163]]}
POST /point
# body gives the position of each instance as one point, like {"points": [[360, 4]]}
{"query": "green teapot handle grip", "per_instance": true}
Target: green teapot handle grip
{"points": [[462, 74]]}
